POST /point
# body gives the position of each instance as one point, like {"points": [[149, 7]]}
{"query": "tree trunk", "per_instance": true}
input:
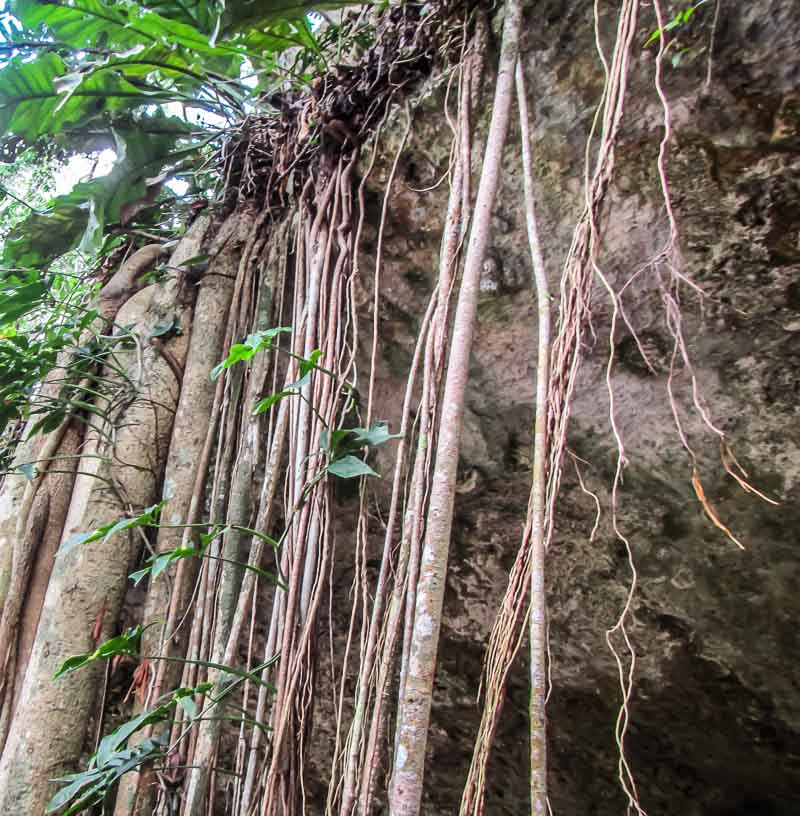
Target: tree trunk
{"points": [[119, 471]]}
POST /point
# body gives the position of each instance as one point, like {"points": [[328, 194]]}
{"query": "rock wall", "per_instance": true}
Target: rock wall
{"points": [[715, 716]]}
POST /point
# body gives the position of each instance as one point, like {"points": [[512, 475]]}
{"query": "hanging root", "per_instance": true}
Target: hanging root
{"points": [[528, 569]]}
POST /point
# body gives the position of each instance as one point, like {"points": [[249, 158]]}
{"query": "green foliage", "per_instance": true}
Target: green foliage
{"points": [[242, 352], [26, 185], [88, 75], [125, 644], [113, 758], [156, 564], [341, 447], [78, 219], [83, 791], [680, 19], [147, 518], [26, 357], [304, 368]]}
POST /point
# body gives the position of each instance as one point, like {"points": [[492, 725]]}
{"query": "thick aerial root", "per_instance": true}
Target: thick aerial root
{"points": [[415, 701]]}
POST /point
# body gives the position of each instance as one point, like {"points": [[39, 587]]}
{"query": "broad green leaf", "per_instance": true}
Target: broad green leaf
{"points": [[299, 385], [79, 781], [378, 434], [33, 104], [267, 403], [124, 524], [20, 296], [76, 539], [80, 216], [124, 761], [86, 23], [92, 796], [241, 352], [113, 741], [262, 338], [215, 532], [126, 643], [163, 560], [348, 467], [189, 706], [146, 518], [72, 664], [306, 366], [138, 576], [330, 440], [238, 353], [680, 18]]}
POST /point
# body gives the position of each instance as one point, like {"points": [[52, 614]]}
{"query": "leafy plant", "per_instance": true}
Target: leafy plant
{"points": [[89, 75], [113, 758], [125, 644], [305, 367], [680, 19], [242, 352], [147, 518], [156, 564], [27, 356], [341, 447]]}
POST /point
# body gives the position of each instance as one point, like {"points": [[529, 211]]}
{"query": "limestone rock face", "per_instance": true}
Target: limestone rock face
{"points": [[715, 713]]}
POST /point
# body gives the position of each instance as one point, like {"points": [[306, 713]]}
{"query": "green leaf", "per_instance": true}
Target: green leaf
{"points": [[77, 539], [79, 781], [213, 533], [306, 366], [85, 23], [81, 216], [241, 352], [138, 576], [378, 434], [113, 741], [124, 644], [238, 353], [298, 385], [267, 403], [330, 441], [147, 517], [348, 467], [41, 97], [185, 699], [681, 18], [72, 664], [20, 295]]}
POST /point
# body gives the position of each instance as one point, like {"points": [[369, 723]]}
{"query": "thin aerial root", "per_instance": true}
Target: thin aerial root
{"points": [[710, 511], [585, 490], [739, 474]]}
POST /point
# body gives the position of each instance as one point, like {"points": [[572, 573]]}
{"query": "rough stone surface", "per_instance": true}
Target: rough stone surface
{"points": [[715, 715]]}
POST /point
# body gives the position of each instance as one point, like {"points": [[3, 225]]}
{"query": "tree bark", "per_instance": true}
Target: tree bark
{"points": [[119, 471]]}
